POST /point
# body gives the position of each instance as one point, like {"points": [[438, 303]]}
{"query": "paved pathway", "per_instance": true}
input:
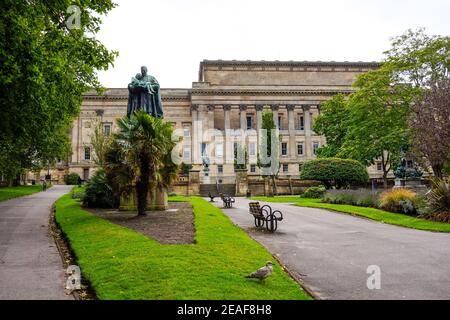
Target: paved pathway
{"points": [[30, 265], [331, 253]]}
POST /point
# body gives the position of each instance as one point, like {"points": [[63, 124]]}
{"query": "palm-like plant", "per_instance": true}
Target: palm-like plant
{"points": [[140, 156]]}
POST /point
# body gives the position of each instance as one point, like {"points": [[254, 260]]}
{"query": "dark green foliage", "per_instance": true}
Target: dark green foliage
{"points": [[335, 171], [44, 70], [72, 179], [314, 192], [185, 168], [98, 194]]}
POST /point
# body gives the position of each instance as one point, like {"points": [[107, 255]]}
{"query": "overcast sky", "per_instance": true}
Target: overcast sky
{"points": [[171, 37]]}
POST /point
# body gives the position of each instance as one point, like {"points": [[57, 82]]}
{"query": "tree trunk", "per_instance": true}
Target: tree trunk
{"points": [[437, 170], [274, 186], [142, 185], [385, 180]]}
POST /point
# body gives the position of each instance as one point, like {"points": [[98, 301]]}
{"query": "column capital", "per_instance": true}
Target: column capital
{"points": [[290, 107], [259, 107], [194, 107], [242, 107], [226, 107], [306, 107], [211, 107], [275, 107]]}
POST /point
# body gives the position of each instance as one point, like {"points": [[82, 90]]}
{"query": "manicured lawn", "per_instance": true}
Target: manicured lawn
{"points": [[371, 213], [123, 264], [15, 192]]}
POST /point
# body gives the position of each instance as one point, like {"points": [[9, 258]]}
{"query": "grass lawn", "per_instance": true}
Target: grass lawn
{"points": [[123, 264], [371, 213], [15, 192]]}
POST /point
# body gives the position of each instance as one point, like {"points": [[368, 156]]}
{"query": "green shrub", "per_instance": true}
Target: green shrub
{"points": [[335, 171], [98, 194], [314, 192], [72, 179], [399, 200]]}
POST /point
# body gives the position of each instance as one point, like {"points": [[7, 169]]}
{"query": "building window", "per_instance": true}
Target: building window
{"points": [[252, 168], [107, 129], [187, 152], [87, 153], [249, 122], [284, 149], [300, 149], [379, 166], [219, 150], [280, 122], [186, 131], [302, 123], [252, 149], [285, 168], [316, 146], [219, 168]]}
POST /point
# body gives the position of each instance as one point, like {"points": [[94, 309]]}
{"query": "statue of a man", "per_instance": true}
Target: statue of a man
{"points": [[144, 93]]}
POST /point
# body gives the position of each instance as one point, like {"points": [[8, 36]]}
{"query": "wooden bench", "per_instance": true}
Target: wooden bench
{"points": [[265, 216], [227, 201]]}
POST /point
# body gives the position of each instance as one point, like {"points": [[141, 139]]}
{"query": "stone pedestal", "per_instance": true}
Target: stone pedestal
{"points": [[241, 182], [156, 200], [194, 182]]}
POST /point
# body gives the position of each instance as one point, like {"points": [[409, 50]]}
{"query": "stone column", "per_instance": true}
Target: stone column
{"points": [[243, 117], [195, 141], [292, 147], [228, 151], [243, 120], [259, 108], [211, 117], [308, 142], [275, 115]]}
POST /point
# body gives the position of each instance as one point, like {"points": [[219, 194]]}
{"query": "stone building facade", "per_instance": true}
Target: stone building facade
{"points": [[225, 107]]}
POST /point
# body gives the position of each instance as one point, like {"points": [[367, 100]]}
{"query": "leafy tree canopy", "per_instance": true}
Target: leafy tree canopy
{"points": [[45, 67]]}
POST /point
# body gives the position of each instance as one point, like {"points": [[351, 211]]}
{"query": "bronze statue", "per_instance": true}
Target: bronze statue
{"points": [[144, 93]]}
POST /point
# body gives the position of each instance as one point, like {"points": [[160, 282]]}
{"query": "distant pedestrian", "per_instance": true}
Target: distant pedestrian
{"points": [[79, 181]]}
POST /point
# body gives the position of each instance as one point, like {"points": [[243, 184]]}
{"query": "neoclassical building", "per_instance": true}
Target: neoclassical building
{"points": [[223, 108]]}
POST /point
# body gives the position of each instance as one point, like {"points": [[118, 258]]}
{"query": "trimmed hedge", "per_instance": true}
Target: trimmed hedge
{"points": [[314, 192], [335, 172], [72, 178]]}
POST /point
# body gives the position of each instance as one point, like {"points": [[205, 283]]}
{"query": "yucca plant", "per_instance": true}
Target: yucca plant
{"points": [[439, 200]]}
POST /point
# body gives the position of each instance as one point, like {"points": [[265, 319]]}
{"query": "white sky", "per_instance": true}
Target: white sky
{"points": [[171, 37]]}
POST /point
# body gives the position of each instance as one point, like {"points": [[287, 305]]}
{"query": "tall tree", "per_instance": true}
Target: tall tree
{"points": [[430, 124], [418, 58], [47, 61], [99, 142], [377, 120], [269, 149], [332, 123]]}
